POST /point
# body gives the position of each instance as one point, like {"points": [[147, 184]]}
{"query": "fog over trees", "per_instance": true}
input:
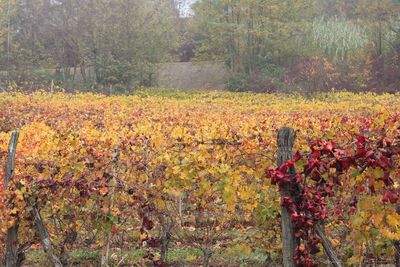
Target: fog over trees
{"points": [[266, 44]]}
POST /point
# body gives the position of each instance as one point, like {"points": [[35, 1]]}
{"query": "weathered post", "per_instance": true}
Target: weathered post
{"points": [[12, 257], [12, 233], [286, 138], [113, 182]]}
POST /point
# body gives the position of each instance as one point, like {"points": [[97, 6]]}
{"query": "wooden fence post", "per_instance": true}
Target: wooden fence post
{"points": [[12, 252], [113, 183], [12, 233], [286, 138]]}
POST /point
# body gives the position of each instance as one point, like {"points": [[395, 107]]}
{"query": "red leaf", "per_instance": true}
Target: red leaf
{"points": [[290, 163], [361, 139], [114, 229], [390, 196], [330, 145], [297, 156]]}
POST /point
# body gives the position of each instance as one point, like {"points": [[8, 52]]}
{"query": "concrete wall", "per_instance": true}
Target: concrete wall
{"points": [[181, 75], [192, 75]]}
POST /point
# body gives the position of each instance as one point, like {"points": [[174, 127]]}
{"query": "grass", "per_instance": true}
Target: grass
{"points": [[230, 257]]}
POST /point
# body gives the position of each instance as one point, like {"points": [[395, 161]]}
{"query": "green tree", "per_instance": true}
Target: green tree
{"points": [[250, 33], [7, 13], [117, 40]]}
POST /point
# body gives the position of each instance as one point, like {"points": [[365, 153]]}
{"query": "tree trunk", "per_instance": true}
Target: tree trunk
{"points": [[82, 68], [286, 138]]}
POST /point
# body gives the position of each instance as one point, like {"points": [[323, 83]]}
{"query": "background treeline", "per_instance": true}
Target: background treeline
{"points": [[268, 45], [109, 42]]}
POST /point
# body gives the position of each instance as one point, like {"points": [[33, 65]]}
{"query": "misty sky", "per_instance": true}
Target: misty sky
{"points": [[185, 6]]}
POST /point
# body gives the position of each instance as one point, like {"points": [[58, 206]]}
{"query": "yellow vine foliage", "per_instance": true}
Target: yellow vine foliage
{"points": [[208, 148]]}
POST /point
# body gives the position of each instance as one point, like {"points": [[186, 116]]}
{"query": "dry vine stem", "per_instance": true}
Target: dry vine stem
{"points": [[45, 239]]}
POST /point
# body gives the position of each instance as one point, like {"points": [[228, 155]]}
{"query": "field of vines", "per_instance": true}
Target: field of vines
{"points": [[170, 178]]}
